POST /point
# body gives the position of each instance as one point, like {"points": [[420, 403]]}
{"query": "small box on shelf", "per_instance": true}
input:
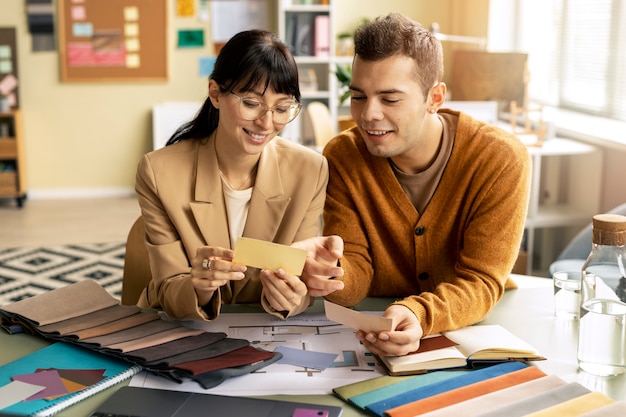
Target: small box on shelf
{"points": [[8, 148], [8, 182]]}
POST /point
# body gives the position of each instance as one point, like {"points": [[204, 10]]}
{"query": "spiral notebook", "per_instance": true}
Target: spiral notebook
{"points": [[62, 356]]}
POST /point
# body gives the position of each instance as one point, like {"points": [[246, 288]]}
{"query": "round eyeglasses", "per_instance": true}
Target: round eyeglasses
{"points": [[251, 108]]}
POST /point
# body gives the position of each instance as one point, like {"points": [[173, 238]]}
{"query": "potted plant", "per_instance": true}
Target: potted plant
{"points": [[344, 76], [345, 44]]}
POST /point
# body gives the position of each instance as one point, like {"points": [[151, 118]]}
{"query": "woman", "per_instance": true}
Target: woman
{"points": [[224, 175]]}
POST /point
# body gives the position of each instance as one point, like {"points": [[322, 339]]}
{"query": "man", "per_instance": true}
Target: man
{"points": [[430, 203]]}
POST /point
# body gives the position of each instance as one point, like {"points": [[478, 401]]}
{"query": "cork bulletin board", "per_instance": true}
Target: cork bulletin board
{"points": [[112, 40], [485, 76]]}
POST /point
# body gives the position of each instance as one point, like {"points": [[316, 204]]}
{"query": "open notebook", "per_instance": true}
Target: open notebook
{"points": [[463, 348]]}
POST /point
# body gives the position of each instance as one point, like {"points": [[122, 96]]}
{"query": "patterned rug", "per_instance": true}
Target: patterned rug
{"points": [[25, 272]]}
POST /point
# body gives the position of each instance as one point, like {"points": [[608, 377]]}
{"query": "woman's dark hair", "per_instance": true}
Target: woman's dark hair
{"points": [[248, 60]]}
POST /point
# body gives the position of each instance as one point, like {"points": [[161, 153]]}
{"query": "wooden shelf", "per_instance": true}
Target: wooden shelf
{"points": [[12, 165], [323, 66]]}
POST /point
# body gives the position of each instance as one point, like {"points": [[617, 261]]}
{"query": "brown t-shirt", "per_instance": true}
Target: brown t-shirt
{"points": [[420, 187]]}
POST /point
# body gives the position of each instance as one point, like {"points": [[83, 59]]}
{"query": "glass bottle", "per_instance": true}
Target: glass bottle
{"points": [[602, 331]]}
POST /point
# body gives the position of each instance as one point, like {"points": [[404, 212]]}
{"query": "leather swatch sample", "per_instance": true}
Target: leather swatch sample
{"points": [[51, 307], [187, 344], [218, 348], [155, 339], [132, 333], [214, 378], [114, 326], [243, 356], [97, 318]]}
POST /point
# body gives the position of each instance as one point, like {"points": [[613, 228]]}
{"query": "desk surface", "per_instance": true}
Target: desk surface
{"points": [[527, 312]]}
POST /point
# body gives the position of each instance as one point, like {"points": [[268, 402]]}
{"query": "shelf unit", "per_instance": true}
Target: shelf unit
{"points": [[12, 168], [565, 193], [327, 89]]}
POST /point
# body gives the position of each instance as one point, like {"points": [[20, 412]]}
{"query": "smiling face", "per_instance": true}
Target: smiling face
{"points": [[392, 114], [241, 135]]}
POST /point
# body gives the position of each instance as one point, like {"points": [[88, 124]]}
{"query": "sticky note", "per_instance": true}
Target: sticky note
{"points": [[269, 255]]}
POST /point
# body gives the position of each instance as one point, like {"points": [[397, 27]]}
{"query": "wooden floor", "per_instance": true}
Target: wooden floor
{"points": [[67, 221]]}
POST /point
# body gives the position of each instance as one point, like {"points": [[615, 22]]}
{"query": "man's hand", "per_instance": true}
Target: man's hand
{"points": [[404, 338], [321, 267]]}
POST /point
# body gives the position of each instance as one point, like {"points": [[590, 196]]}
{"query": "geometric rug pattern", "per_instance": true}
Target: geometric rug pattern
{"points": [[25, 272]]}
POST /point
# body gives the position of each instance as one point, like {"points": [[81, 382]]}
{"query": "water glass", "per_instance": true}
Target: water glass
{"points": [[567, 294]]}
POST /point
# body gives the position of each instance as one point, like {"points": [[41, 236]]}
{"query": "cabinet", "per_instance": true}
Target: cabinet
{"points": [[564, 196], [308, 28], [12, 168]]}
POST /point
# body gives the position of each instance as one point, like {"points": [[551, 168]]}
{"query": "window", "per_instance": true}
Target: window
{"points": [[576, 51]]}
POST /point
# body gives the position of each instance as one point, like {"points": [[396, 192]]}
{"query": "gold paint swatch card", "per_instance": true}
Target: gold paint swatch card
{"points": [[269, 255]]}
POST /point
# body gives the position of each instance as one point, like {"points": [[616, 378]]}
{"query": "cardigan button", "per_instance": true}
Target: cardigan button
{"points": [[419, 230], [423, 276]]}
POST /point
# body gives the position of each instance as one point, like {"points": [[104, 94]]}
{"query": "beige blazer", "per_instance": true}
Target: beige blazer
{"points": [[181, 200]]}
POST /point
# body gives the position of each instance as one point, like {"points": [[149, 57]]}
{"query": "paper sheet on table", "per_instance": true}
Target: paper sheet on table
{"points": [[309, 330], [306, 358], [355, 319], [269, 255], [16, 391]]}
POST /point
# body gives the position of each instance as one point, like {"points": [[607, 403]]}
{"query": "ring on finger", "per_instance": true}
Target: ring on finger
{"points": [[207, 263]]}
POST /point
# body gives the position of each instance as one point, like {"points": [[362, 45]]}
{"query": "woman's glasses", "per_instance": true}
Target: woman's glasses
{"points": [[251, 108]]}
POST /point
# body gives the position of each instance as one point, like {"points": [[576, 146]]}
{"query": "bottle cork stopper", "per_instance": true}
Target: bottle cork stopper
{"points": [[609, 229]]}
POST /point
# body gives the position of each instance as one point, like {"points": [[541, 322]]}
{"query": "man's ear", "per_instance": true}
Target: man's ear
{"points": [[214, 93], [437, 95]]}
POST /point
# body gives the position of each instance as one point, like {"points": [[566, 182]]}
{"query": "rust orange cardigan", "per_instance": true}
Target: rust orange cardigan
{"points": [[449, 265]]}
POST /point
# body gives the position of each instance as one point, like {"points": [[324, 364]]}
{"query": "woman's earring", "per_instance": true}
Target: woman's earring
{"points": [[432, 110]]}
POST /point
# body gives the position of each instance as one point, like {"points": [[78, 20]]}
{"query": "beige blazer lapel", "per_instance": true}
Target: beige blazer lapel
{"points": [[267, 205], [208, 208], [269, 202]]}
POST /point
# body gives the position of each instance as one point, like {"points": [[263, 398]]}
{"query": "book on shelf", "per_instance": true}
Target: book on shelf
{"points": [[463, 348], [322, 35], [304, 35], [56, 377], [308, 34]]}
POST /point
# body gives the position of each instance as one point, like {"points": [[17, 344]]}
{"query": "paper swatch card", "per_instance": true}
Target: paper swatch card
{"points": [[357, 320], [269, 255]]}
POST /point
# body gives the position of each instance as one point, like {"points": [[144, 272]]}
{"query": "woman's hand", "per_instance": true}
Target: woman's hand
{"points": [[284, 292], [211, 268]]}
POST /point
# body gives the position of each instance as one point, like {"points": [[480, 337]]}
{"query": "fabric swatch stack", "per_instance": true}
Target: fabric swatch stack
{"points": [[86, 315], [512, 389]]}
